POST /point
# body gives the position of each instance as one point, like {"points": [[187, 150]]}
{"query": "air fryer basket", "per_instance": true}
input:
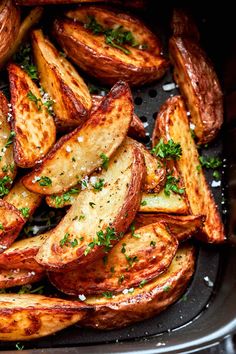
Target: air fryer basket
{"points": [[207, 311]]}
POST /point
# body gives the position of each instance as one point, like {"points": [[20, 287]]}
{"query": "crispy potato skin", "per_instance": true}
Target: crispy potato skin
{"points": [[199, 85], [173, 123], [9, 27], [27, 316], [121, 194], [12, 222], [136, 128], [122, 310], [34, 128], [180, 226], [7, 160], [182, 25], [63, 83], [102, 133], [17, 277], [84, 48], [97, 277]]}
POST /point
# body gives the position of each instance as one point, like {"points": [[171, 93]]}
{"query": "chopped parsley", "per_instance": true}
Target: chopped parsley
{"points": [[216, 175], [36, 100], [143, 203], [92, 204], [210, 162], [74, 243], [142, 283], [19, 346], [107, 294], [4, 183], [65, 241], [27, 289], [81, 217], [166, 288], [153, 243], [63, 198], [1, 226], [105, 161], [10, 139], [121, 279], [102, 239], [129, 259], [45, 181], [24, 59], [24, 212], [8, 167], [172, 186], [169, 151], [49, 105], [132, 229], [99, 185]]}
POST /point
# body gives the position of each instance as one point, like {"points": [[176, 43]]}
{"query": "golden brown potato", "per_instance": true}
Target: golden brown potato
{"points": [[34, 127], [20, 255], [182, 25], [162, 203], [23, 200], [142, 254], [79, 153], [137, 60], [7, 165], [181, 227], [28, 316], [9, 28], [172, 123], [17, 276], [72, 100], [136, 129], [11, 222], [110, 202], [199, 86], [143, 302]]}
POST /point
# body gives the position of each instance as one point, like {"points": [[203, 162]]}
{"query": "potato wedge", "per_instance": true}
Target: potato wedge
{"points": [[34, 128], [28, 316], [9, 27], [20, 255], [181, 227], [199, 86], [23, 200], [77, 240], [139, 257], [137, 4], [7, 165], [172, 123], [11, 222], [136, 129], [79, 153], [141, 303], [72, 100], [182, 25], [162, 203], [138, 64], [16, 277]]}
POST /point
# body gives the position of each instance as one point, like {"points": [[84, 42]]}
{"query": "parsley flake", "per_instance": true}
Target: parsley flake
{"points": [[169, 151]]}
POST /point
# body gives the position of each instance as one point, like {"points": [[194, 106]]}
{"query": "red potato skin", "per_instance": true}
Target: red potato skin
{"points": [[18, 277], [182, 25]]}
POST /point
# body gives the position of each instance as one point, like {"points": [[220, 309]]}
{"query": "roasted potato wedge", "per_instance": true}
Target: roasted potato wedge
{"points": [[28, 316], [139, 257], [77, 240], [7, 165], [79, 153], [181, 227], [136, 129], [72, 100], [142, 303], [23, 200], [139, 63], [172, 123], [20, 255], [137, 4], [182, 25], [16, 277], [11, 222], [34, 127], [162, 203], [9, 28], [199, 86]]}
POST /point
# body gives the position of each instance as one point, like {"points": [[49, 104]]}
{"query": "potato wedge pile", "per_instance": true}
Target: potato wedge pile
{"points": [[122, 251]]}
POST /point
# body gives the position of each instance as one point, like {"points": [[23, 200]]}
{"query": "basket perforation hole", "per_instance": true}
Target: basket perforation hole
{"points": [[138, 101], [143, 119], [154, 116], [147, 139], [152, 93]]}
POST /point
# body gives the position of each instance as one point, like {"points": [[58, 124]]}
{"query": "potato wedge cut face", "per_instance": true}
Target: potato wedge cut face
{"points": [[145, 302], [17, 277], [11, 222], [79, 153], [199, 86], [182, 25], [138, 257], [7, 164], [78, 240], [181, 227], [34, 128], [135, 65], [72, 100], [27, 316], [173, 123], [162, 203]]}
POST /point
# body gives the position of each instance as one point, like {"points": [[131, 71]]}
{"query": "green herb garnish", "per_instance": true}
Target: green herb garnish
{"points": [[143, 203], [36, 100], [1, 226], [169, 151], [45, 181], [216, 175], [166, 288], [99, 185], [107, 294], [23, 58], [142, 283], [4, 182], [24, 212], [105, 161], [19, 346], [172, 185], [102, 239], [64, 240], [210, 162]]}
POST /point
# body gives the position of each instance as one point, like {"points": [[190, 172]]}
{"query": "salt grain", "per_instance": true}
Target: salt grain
{"points": [[68, 149], [80, 139], [82, 297], [215, 184], [169, 87]]}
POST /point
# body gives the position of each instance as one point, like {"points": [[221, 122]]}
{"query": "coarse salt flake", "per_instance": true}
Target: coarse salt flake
{"points": [[215, 184], [82, 297], [35, 229], [68, 149], [169, 86], [80, 139]]}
